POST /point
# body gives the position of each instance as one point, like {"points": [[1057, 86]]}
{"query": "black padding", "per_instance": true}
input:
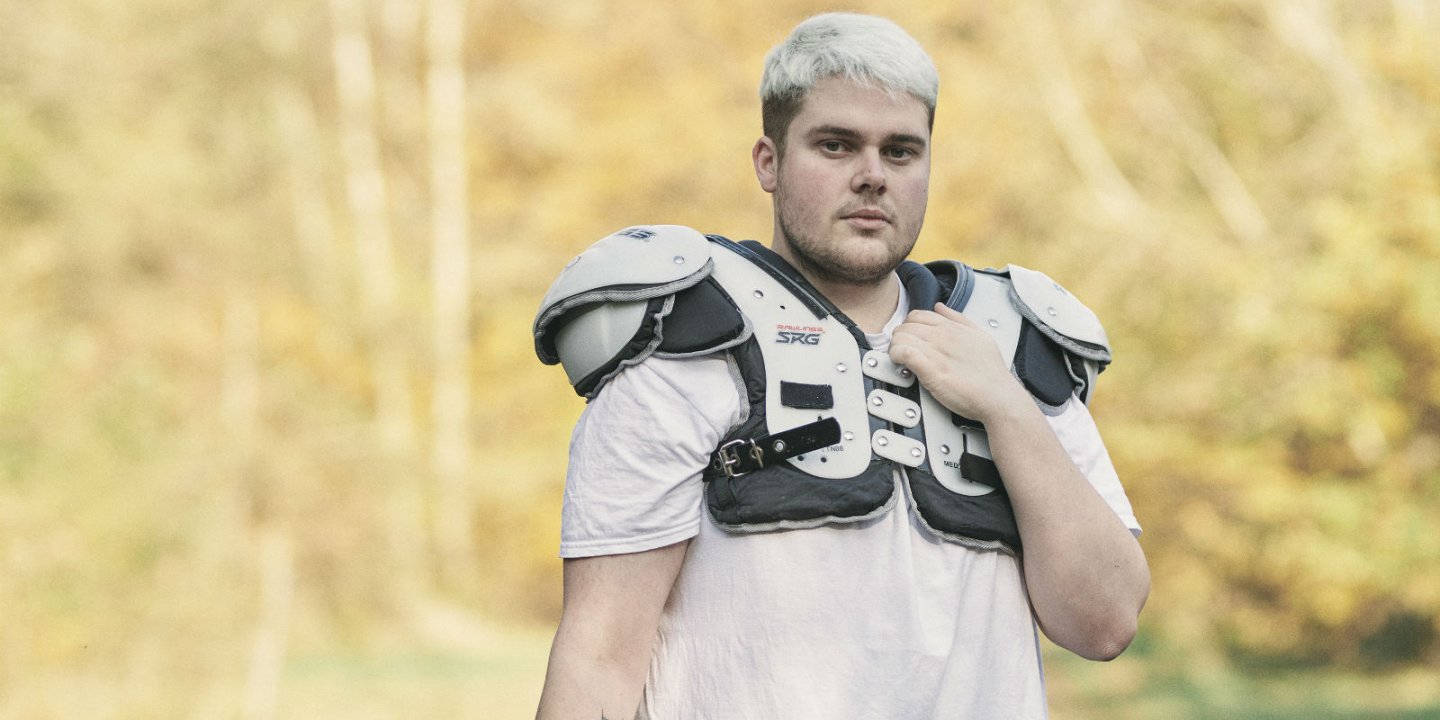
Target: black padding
{"points": [[784, 492], [1040, 363], [703, 317], [805, 396], [982, 517], [920, 283]]}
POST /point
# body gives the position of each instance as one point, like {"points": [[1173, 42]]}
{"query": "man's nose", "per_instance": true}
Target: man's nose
{"points": [[870, 175]]}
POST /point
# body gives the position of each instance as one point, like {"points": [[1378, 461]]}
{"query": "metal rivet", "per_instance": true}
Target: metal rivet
{"points": [[877, 401], [915, 452], [994, 323], [779, 446], [944, 449], [841, 367], [910, 413], [849, 435], [679, 259], [759, 293], [1052, 312], [871, 362], [905, 372], [882, 441], [802, 457]]}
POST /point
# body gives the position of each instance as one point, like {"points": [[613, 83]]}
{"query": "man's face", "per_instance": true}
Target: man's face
{"points": [[851, 189]]}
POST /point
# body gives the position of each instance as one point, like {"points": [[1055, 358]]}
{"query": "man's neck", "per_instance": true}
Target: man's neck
{"points": [[870, 306]]}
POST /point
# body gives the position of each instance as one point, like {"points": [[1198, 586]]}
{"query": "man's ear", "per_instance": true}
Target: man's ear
{"points": [[767, 163]]}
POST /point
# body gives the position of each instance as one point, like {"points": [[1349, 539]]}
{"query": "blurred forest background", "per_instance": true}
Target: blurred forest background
{"points": [[274, 442]]}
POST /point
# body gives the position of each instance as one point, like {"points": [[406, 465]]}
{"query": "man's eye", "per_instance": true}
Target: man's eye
{"points": [[832, 146], [901, 153]]}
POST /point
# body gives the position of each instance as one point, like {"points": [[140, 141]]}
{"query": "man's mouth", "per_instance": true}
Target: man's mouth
{"points": [[867, 218]]}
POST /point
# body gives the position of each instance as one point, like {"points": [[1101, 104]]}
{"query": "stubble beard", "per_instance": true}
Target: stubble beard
{"points": [[830, 264]]}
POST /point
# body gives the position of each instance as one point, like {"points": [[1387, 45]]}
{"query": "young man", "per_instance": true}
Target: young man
{"points": [[746, 532]]}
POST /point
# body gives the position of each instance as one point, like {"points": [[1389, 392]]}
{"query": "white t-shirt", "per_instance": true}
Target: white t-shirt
{"points": [[878, 619]]}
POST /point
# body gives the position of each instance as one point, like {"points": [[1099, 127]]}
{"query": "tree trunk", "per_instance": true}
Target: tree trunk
{"points": [[450, 278], [379, 304], [366, 195]]}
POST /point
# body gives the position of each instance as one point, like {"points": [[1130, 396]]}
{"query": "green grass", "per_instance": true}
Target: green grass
{"points": [[495, 673], [1172, 687], [501, 680]]}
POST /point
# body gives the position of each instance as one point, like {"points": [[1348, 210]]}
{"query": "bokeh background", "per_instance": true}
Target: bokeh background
{"points": [[274, 442]]}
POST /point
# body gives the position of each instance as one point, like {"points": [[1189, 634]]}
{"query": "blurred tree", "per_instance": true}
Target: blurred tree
{"points": [[255, 396]]}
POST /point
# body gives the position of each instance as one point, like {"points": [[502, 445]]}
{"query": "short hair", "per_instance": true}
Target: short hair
{"points": [[864, 49]]}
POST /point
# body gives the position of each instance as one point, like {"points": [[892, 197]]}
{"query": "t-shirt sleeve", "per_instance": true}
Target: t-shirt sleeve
{"points": [[1076, 429], [637, 452]]}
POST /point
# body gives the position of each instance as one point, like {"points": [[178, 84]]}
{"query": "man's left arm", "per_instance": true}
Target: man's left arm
{"points": [[1084, 570]]}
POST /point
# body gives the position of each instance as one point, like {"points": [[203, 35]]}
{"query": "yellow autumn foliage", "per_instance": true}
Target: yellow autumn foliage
{"points": [[218, 383]]}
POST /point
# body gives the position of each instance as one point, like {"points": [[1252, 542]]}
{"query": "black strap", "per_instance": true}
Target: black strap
{"points": [[740, 456], [981, 470]]}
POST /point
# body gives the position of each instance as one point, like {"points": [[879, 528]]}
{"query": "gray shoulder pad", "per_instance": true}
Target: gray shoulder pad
{"points": [[1058, 314], [605, 311]]}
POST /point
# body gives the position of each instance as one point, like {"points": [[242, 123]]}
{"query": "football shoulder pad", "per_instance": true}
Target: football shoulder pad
{"points": [[645, 290]]}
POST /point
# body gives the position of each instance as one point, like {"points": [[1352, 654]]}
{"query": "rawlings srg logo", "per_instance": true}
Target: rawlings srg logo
{"points": [[798, 334], [789, 337]]}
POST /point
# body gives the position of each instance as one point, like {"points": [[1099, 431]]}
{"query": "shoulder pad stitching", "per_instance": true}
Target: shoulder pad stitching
{"points": [[598, 384], [1098, 351], [678, 239], [1089, 352], [558, 310]]}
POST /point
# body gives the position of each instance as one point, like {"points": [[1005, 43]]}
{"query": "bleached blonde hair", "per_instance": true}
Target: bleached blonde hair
{"points": [[865, 49]]}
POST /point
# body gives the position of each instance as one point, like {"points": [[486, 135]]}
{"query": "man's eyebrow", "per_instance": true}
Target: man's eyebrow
{"points": [[835, 130], [849, 134], [907, 139]]}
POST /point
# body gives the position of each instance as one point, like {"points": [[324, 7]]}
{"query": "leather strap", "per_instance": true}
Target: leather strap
{"points": [[740, 456]]}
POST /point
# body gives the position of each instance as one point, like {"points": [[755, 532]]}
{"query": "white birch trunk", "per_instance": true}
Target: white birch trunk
{"points": [[379, 302], [314, 229], [450, 278], [1113, 191], [366, 195], [240, 418], [276, 560]]}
